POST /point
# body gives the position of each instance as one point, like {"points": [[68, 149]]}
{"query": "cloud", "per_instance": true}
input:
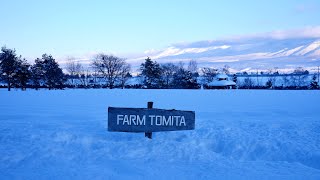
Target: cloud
{"points": [[306, 32], [151, 51]]}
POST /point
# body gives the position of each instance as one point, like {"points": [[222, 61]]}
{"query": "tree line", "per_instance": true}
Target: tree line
{"points": [[16, 72], [298, 79], [45, 72]]}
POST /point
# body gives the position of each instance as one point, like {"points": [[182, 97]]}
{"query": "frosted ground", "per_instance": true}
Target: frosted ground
{"points": [[240, 134]]}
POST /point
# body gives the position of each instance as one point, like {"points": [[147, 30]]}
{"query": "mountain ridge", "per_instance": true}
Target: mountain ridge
{"points": [[257, 53]]}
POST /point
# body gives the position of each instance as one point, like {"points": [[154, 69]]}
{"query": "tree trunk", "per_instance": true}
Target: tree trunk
{"points": [[9, 84]]}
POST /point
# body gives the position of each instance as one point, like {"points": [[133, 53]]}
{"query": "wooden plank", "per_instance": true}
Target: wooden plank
{"points": [[149, 120]]}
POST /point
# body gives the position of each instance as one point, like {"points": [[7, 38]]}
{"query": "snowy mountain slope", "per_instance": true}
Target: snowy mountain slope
{"points": [[263, 52], [310, 48]]}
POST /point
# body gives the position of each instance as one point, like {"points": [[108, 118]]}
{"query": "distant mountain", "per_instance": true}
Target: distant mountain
{"points": [[247, 53]]}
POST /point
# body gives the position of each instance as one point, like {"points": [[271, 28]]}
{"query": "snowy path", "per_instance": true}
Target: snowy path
{"points": [[239, 134]]}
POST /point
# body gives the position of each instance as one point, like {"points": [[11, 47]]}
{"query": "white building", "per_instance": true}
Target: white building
{"points": [[221, 81]]}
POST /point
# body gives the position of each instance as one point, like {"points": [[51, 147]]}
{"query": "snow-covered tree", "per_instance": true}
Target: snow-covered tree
{"points": [[184, 79]]}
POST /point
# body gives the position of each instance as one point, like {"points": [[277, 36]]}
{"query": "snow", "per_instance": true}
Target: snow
{"points": [[222, 83], [291, 51], [173, 51], [240, 134], [221, 76], [134, 81], [316, 53], [278, 52], [310, 48]]}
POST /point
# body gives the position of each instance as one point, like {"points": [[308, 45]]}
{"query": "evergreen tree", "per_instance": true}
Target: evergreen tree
{"points": [[8, 65], [13, 69], [314, 84], [22, 75], [234, 78], [48, 71], [54, 77], [151, 73], [269, 83], [37, 73]]}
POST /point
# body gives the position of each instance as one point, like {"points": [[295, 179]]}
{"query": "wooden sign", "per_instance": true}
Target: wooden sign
{"points": [[149, 120]]}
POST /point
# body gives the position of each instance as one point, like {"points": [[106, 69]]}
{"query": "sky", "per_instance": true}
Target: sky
{"points": [[66, 28]]}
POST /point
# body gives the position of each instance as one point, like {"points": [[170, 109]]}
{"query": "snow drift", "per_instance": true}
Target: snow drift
{"points": [[239, 134]]}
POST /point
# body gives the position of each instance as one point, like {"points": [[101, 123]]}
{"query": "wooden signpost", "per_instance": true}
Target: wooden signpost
{"points": [[149, 120]]}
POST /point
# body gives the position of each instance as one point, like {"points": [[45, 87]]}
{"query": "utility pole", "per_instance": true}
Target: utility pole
{"points": [[318, 74], [257, 79]]}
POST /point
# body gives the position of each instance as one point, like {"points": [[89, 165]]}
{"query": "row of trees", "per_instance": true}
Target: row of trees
{"points": [[16, 72], [45, 72], [169, 75], [283, 81]]}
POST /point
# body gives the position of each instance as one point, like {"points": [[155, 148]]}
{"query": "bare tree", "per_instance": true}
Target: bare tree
{"points": [[109, 66], [193, 66], [168, 71], [83, 76], [74, 68], [285, 80], [299, 77], [125, 74], [248, 83], [226, 69], [209, 74], [276, 71], [180, 65]]}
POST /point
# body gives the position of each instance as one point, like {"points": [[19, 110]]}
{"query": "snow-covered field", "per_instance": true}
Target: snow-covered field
{"points": [[240, 134]]}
